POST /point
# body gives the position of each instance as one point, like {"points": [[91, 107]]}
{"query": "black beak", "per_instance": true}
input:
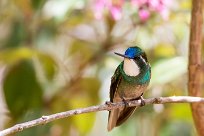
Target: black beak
{"points": [[121, 55]]}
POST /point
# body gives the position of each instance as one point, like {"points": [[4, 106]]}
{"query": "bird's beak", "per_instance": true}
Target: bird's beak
{"points": [[121, 55]]}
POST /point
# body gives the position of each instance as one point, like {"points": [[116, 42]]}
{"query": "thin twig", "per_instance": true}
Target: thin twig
{"points": [[108, 106]]}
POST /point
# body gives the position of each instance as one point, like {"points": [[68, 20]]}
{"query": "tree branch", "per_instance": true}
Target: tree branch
{"points": [[108, 106]]}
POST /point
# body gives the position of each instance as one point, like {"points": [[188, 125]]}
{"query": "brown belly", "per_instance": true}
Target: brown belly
{"points": [[130, 91]]}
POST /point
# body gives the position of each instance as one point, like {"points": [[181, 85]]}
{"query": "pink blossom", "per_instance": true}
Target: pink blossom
{"points": [[156, 5], [99, 8], [113, 6], [160, 6], [138, 2], [144, 14], [165, 14], [145, 8], [116, 9], [165, 9], [116, 12]]}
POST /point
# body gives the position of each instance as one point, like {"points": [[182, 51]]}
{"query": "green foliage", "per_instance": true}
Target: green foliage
{"points": [[178, 128], [84, 50], [48, 64], [12, 56], [164, 50], [84, 123], [83, 94], [17, 36], [37, 3], [179, 110], [87, 96], [21, 88]]}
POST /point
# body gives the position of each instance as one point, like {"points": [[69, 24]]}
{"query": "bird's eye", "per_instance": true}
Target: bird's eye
{"points": [[137, 57], [141, 56], [144, 57]]}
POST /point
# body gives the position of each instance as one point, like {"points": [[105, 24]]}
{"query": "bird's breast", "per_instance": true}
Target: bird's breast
{"points": [[131, 91]]}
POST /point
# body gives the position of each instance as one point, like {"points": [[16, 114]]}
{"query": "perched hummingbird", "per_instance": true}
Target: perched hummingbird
{"points": [[129, 82]]}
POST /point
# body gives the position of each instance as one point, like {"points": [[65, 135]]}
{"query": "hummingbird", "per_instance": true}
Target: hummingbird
{"points": [[129, 82]]}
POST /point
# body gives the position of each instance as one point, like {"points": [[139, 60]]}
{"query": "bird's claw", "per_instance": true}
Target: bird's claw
{"points": [[126, 103], [108, 103], [142, 101]]}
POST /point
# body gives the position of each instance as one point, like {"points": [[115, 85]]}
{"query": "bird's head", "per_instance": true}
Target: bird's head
{"points": [[132, 53], [135, 60]]}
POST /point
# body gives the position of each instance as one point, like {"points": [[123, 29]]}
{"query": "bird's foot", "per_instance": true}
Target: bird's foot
{"points": [[142, 101], [108, 103], [126, 103]]}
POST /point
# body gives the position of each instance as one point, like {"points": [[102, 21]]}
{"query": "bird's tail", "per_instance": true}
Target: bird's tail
{"points": [[125, 114], [112, 119], [119, 116]]}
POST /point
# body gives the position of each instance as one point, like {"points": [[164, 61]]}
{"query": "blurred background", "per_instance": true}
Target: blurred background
{"points": [[57, 55]]}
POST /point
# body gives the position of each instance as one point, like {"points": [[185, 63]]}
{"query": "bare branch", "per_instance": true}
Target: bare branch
{"points": [[108, 106]]}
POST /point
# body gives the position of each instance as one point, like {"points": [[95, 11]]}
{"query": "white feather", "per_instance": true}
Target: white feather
{"points": [[130, 67]]}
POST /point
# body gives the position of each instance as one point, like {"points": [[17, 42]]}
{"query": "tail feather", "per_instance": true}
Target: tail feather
{"points": [[112, 119], [119, 116], [125, 114]]}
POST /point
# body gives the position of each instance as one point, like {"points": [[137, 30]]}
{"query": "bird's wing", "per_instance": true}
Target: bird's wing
{"points": [[114, 114], [115, 81]]}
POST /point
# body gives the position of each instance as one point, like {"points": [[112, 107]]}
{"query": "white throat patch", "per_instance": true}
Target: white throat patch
{"points": [[130, 67]]}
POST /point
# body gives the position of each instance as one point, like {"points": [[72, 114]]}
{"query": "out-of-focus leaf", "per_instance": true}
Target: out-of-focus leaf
{"points": [[48, 65], [176, 127], [185, 5], [91, 86], [179, 110], [21, 89], [48, 30], [17, 35], [87, 96], [74, 19], [11, 56], [84, 50], [180, 30], [84, 122], [37, 3], [165, 50], [167, 70], [85, 93]]}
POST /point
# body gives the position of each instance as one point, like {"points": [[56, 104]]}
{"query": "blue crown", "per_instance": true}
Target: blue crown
{"points": [[132, 52]]}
